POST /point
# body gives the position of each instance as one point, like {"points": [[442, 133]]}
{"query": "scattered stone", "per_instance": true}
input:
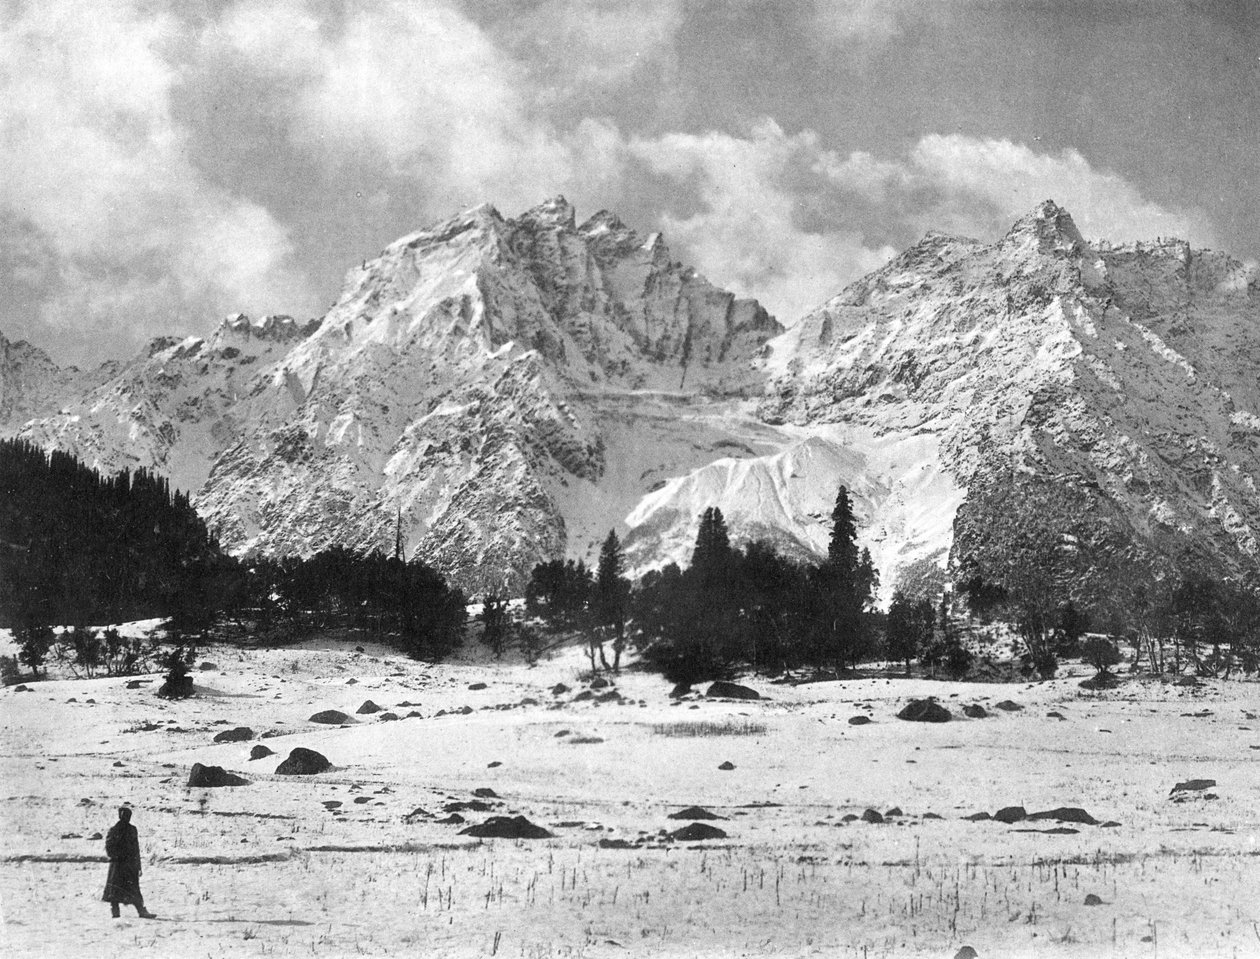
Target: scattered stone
{"points": [[211, 777], [368, 708], [1102, 680], [617, 844], [1007, 706], [966, 952], [932, 815], [978, 817], [485, 792], [413, 715], [1011, 814], [331, 717], [1055, 714], [332, 804], [584, 696], [1092, 900], [849, 817], [1065, 814], [559, 689], [271, 734], [352, 681], [360, 800], [727, 766], [471, 805], [1193, 785], [21, 688], [680, 690], [260, 752], [725, 690], [859, 720], [694, 813], [476, 687], [208, 667], [1188, 681], [95, 836], [697, 832], [924, 711], [118, 763], [136, 683], [872, 816], [893, 813], [71, 835], [388, 717], [303, 762], [975, 711], [507, 827], [600, 682], [454, 819], [494, 765], [563, 732], [1109, 824], [238, 735]]}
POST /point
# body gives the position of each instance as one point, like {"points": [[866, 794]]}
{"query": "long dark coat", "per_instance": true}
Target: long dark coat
{"points": [[122, 845]]}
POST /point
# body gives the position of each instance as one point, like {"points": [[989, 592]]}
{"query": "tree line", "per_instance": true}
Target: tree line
{"points": [[78, 548]]}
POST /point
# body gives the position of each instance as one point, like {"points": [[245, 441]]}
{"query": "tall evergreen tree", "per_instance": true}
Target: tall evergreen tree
{"points": [[612, 593], [845, 586]]}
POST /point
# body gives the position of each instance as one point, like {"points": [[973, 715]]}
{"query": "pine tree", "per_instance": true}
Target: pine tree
{"points": [[845, 586], [612, 593], [711, 559]]}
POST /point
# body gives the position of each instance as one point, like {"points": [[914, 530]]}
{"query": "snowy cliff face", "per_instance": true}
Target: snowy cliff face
{"points": [[495, 386], [506, 390], [1130, 371], [33, 385]]}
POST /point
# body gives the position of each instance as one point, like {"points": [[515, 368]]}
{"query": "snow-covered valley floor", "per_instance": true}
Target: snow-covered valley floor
{"points": [[269, 869]]}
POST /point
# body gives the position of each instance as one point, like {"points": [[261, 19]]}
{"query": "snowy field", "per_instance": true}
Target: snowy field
{"points": [[275, 868]]}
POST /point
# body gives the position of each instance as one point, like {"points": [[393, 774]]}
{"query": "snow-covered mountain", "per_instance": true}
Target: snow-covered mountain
{"points": [[509, 389]]}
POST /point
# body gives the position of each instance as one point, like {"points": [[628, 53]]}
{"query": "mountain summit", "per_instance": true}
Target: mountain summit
{"points": [[510, 388]]}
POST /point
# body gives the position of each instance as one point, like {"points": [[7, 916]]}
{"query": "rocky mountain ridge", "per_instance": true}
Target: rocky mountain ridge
{"points": [[508, 389]]}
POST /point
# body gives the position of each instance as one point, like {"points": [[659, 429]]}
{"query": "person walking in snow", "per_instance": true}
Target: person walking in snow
{"points": [[122, 845]]}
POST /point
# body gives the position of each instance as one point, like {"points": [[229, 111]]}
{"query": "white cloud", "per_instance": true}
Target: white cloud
{"points": [[135, 239], [748, 236], [1014, 178], [414, 86]]}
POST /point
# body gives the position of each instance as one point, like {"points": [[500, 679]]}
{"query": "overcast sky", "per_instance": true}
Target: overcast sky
{"points": [[165, 163]]}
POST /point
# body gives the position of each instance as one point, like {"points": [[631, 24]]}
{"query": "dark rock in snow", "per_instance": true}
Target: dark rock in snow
{"points": [[975, 712], [559, 689], [260, 752], [924, 711], [454, 819], [1007, 706], [680, 690], [978, 817], [1193, 785], [893, 813], [388, 717], [1011, 814], [240, 734], [331, 717], [696, 832], [966, 952], [476, 687], [1092, 900], [136, 683], [507, 827], [694, 813], [208, 667], [600, 682], [860, 720], [872, 816], [211, 777], [1055, 714], [725, 690], [368, 708], [471, 805], [303, 762], [1065, 814], [727, 766], [1103, 680], [485, 792]]}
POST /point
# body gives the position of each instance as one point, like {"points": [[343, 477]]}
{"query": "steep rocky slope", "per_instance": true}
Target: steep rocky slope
{"points": [[1128, 374], [505, 390]]}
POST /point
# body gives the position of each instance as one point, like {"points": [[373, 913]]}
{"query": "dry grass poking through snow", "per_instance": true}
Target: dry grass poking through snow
{"points": [[728, 727], [358, 861]]}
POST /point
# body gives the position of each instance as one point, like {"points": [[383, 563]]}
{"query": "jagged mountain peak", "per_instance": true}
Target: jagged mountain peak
{"points": [[1047, 228], [556, 211]]}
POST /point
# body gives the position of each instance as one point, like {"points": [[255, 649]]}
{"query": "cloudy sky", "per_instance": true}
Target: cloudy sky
{"points": [[165, 163]]}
